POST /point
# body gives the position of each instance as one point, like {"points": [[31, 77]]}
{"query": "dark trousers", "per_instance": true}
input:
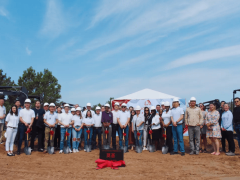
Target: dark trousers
{"points": [[40, 132], [97, 131], [114, 132], [229, 136], [57, 137], [22, 129], [169, 141]]}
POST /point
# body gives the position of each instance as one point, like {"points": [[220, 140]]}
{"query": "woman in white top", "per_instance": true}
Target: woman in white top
{"points": [[88, 123], [155, 125], [167, 124], [137, 126], [57, 136], [77, 129], [12, 121]]}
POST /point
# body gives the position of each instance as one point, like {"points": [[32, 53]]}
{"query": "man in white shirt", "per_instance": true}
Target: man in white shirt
{"points": [[27, 116], [115, 124], [88, 108], [2, 117], [123, 120], [50, 120], [65, 119], [97, 129]]}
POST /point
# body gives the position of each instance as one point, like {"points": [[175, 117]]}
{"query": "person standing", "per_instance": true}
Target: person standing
{"points": [[163, 106], [107, 120], [177, 129], [50, 121], [221, 110], [147, 122], [167, 124], [203, 130], [2, 117], [115, 124], [213, 128], [73, 111], [57, 137], [12, 121], [137, 126], [131, 136], [227, 130], [236, 118], [97, 129], [123, 120], [77, 129], [27, 116], [89, 108], [88, 125], [193, 119], [66, 126]]}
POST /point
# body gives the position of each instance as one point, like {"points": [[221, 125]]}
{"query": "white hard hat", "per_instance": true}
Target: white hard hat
{"points": [[116, 104], [163, 103], [78, 109], [46, 104], [88, 104], [124, 104], [175, 100], [166, 103], [73, 109], [52, 104], [153, 108], [107, 105], [137, 108], [27, 101], [193, 99], [66, 105], [98, 108]]}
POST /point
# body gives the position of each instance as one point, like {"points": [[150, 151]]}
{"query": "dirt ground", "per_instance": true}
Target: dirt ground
{"points": [[138, 166]]}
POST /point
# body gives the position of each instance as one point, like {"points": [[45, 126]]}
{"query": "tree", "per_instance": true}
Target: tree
{"points": [[41, 83]]}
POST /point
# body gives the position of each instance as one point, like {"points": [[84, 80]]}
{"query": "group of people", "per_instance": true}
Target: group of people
{"points": [[133, 127]]}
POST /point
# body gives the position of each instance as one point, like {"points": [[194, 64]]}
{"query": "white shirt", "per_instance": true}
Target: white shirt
{"points": [[176, 113], [12, 120], [88, 121], [115, 116], [51, 118], [156, 121], [137, 120], [77, 120], [123, 117], [167, 117], [27, 115], [2, 112], [84, 113], [97, 120], [66, 119]]}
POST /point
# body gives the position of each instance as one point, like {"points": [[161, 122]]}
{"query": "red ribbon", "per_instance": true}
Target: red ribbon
{"points": [[150, 132], [106, 132], [164, 135], [112, 164], [66, 134], [138, 134], [124, 134], [88, 131], [51, 132], [28, 131]]}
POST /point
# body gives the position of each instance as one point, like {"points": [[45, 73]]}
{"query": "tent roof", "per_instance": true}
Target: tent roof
{"points": [[147, 94]]}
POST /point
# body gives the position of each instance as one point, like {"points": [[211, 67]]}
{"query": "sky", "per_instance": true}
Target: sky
{"points": [[106, 48]]}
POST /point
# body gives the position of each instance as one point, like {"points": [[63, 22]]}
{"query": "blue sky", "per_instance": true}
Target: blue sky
{"points": [[106, 48]]}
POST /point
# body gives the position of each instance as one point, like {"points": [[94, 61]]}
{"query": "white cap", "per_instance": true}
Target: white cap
{"points": [[153, 108], [66, 105], [193, 99], [116, 104], [163, 103], [107, 105], [52, 104], [27, 101], [78, 109], [46, 104], [166, 103], [137, 108], [88, 104], [73, 109], [124, 104], [98, 108], [175, 100]]}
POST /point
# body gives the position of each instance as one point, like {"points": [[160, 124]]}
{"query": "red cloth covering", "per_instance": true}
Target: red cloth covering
{"points": [[112, 164], [28, 131], [51, 132], [66, 133]]}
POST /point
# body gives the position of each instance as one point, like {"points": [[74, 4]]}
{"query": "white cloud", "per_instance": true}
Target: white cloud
{"points": [[3, 11], [28, 51]]}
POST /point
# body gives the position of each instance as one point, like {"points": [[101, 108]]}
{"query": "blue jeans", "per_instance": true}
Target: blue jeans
{"points": [[86, 140], [22, 129], [178, 138], [63, 131], [237, 129], [120, 130], [77, 135], [97, 131], [138, 142]]}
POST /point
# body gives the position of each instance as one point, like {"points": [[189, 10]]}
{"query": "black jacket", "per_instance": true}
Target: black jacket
{"points": [[236, 115]]}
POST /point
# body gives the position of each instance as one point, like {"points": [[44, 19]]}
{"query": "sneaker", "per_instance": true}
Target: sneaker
{"points": [[144, 149], [230, 154], [175, 153], [70, 150], [61, 151], [74, 151], [40, 150], [183, 154], [197, 152], [9, 154], [191, 153], [85, 150]]}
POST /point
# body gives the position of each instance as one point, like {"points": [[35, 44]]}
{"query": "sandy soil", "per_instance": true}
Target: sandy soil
{"points": [[138, 166]]}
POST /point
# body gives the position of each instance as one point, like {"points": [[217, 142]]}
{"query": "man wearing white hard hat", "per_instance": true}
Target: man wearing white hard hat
{"points": [[177, 128], [46, 107], [97, 129], [65, 119], [193, 119], [163, 106], [123, 120], [137, 126], [89, 108], [27, 116], [115, 124], [50, 120], [107, 120], [73, 111]]}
